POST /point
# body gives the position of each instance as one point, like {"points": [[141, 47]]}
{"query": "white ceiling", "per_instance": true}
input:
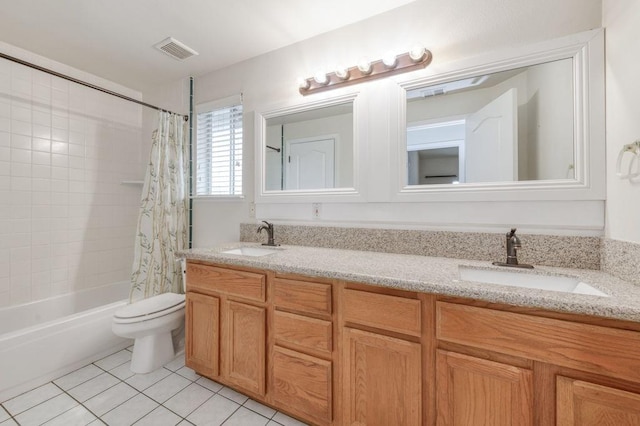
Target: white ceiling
{"points": [[114, 39]]}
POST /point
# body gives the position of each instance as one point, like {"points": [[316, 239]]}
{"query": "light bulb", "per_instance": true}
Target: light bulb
{"points": [[303, 83], [321, 78], [365, 66], [390, 60], [417, 53], [342, 72]]}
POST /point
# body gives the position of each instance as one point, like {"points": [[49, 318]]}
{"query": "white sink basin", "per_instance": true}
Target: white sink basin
{"points": [[528, 280], [252, 251]]}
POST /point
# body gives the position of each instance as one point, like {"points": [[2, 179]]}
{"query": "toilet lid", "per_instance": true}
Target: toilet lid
{"points": [[151, 306]]}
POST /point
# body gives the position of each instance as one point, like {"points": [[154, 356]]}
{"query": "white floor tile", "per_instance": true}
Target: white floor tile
{"points": [[9, 422], [209, 384], [77, 416], [167, 387], [77, 377], [213, 412], [92, 387], [188, 399], [3, 415], [188, 373], [96, 422], [259, 408], [159, 417], [176, 364], [272, 423], [285, 420], [47, 410], [112, 361], [233, 395], [130, 412], [32, 398], [109, 399], [245, 417], [143, 381], [122, 372]]}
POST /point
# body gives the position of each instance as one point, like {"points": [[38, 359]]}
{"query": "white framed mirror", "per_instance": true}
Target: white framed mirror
{"points": [[308, 151], [513, 125]]}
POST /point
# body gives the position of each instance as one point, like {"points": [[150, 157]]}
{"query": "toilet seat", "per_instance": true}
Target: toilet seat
{"points": [[148, 309]]}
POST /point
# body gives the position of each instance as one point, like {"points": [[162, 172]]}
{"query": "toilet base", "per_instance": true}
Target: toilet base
{"points": [[152, 352]]}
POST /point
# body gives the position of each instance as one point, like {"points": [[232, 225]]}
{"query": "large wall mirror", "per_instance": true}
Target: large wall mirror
{"points": [[527, 122], [308, 149]]}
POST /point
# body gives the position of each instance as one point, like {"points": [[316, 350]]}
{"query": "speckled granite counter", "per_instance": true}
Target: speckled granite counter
{"points": [[435, 275]]}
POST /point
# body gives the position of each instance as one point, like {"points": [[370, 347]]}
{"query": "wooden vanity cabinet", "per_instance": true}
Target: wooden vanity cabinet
{"points": [[381, 359], [473, 390], [226, 326], [580, 372], [336, 353], [581, 403], [302, 367]]}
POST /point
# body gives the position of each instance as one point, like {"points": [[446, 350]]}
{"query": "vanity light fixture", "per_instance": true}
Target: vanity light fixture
{"points": [[418, 57]]}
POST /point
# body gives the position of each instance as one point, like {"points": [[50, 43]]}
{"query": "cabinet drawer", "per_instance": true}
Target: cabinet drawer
{"points": [[207, 278], [309, 333], [302, 384], [314, 298], [602, 350], [382, 311]]}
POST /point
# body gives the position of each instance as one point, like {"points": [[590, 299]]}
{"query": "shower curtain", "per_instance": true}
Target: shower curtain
{"points": [[162, 222]]}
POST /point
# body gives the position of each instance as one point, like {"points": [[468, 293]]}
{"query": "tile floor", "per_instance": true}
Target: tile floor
{"points": [[107, 392]]}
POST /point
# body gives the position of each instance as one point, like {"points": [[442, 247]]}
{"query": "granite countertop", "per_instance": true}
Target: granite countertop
{"points": [[435, 275]]}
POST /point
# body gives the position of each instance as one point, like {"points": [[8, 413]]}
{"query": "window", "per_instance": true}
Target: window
{"points": [[219, 148]]}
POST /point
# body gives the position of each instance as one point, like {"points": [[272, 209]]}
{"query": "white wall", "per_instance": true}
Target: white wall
{"points": [[621, 18], [452, 30], [66, 221]]}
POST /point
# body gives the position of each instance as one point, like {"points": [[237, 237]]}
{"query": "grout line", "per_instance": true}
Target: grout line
{"points": [[86, 408]]}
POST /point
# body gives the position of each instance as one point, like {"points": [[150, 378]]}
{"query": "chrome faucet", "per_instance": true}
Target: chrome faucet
{"points": [[269, 228], [513, 244]]}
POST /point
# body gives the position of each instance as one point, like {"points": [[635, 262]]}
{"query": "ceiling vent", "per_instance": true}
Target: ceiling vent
{"points": [[175, 49]]}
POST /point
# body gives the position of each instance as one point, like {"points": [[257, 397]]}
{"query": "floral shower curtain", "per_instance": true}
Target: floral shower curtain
{"points": [[162, 222]]}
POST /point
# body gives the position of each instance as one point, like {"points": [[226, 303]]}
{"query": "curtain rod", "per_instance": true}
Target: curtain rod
{"points": [[84, 83]]}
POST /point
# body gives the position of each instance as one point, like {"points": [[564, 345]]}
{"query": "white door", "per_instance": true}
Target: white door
{"points": [[309, 164], [492, 141]]}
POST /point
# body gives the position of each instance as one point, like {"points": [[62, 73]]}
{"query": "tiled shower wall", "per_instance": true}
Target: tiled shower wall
{"points": [[67, 222]]}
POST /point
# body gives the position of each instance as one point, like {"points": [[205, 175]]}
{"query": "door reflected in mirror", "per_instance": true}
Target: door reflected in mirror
{"points": [[515, 125], [310, 150]]}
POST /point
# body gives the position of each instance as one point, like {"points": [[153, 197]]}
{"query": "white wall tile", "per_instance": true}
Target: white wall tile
{"points": [[63, 151]]}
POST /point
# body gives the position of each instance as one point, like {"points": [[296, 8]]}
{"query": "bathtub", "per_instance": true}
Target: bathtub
{"points": [[43, 340]]}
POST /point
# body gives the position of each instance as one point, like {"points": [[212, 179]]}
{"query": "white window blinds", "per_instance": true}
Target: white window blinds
{"points": [[219, 148]]}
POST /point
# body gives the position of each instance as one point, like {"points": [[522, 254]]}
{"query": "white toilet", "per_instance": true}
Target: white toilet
{"points": [[150, 322]]}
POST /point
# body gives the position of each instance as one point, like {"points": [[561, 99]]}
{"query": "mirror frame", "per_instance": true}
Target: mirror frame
{"points": [[349, 194], [587, 51]]}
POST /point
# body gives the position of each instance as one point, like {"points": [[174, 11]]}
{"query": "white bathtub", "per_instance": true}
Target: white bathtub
{"points": [[43, 340]]}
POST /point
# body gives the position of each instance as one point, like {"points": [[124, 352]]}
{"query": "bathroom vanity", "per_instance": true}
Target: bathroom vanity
{"points": [[345, 337]]}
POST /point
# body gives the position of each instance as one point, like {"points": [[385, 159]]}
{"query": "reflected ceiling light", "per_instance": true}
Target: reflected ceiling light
{"points": [[417, 58]]}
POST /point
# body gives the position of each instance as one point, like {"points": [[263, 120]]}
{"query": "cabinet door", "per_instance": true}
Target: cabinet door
{"points": [[474, 391], [587, 404], [244, 346], [202, 336], [381, 381], [302, 384]]}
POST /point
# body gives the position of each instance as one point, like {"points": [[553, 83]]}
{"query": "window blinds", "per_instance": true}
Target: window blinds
{"points": [[219, 150]]}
